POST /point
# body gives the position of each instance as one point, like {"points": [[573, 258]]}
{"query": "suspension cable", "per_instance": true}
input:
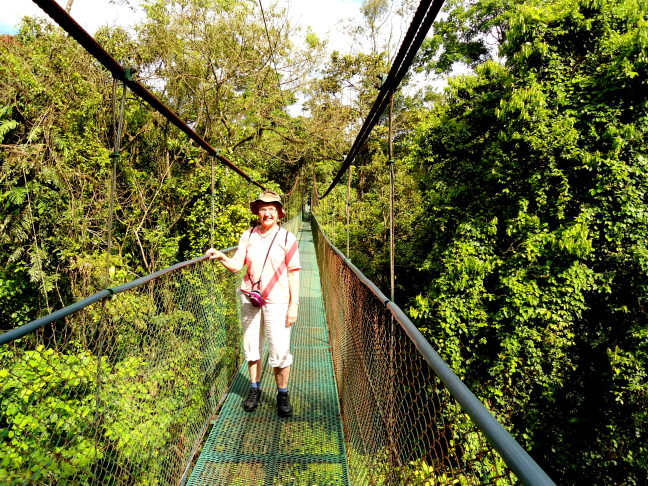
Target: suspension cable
{"points": [[390, 163], [348, 213], [67, 23], [295, 185], [118, 125], [423, 18], [212, 212]]}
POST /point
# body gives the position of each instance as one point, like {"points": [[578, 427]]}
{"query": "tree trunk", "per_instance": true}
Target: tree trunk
{"points": [[68, 7]]}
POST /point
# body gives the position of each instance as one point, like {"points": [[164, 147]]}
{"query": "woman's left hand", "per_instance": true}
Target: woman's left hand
{"points": [[291, 316]]}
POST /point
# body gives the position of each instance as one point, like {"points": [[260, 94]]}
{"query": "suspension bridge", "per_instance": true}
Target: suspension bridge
{"points": [[142, 383]]}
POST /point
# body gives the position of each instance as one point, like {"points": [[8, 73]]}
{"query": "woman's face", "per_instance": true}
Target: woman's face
{"points": [[268, 215]]}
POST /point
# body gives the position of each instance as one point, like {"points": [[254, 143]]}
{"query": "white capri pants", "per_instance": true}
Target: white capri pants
{"points": [[266, 322]]}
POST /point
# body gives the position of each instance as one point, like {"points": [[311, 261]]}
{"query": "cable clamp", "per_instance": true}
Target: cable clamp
{"points": [[383, 79]]}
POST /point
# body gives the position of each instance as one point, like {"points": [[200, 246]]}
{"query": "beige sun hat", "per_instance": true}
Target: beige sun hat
{"points": [[268, 197]]}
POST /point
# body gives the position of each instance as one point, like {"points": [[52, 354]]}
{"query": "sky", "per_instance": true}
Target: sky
{"points": [[323, 16]]}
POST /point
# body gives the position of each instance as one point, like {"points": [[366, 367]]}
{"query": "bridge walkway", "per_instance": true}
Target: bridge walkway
{"points": [[260, 448]]}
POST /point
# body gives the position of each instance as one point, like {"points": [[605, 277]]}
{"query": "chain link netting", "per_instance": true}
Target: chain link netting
{"points": [[293, 203], [122, 391], [401, 424]]}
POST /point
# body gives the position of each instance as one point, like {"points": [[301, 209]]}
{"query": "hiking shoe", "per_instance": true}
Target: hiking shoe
{"points": [[252, 401], [283, 405]]}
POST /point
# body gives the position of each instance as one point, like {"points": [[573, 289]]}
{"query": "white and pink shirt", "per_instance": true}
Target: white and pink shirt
{"points": [[283, 258]]}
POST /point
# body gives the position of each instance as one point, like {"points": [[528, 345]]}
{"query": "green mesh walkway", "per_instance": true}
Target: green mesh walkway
{"points": [[259, 448]]}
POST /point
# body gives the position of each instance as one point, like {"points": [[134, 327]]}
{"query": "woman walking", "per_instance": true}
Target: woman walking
{"points": [[269, 296]]}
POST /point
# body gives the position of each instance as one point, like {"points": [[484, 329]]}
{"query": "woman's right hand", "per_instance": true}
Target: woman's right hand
{"points": [[214, 254]]}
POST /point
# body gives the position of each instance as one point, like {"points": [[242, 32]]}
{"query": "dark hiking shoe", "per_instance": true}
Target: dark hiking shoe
{"points": [[283, 405], [252, 401]]}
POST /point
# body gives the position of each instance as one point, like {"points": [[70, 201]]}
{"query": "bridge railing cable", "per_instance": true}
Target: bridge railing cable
{"points": [[424, 16], [120, 387], [408, 419], [67, 23]]}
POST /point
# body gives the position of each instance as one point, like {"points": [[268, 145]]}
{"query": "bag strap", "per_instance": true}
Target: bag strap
{"points": [[266, 259]]}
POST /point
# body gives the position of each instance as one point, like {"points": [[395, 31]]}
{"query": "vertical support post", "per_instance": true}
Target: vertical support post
{"points": [[211, 229], [300, 188], [118, 124], [391, 198], [111, 210], [328, 209], [348, 211], [314, 194], [391, 401]]}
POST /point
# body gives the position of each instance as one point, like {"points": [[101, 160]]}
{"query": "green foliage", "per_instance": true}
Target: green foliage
{"points": [[17, 301], [55, 179], [535, 176], [123, 401], [54, 378], [59, 412], [520, 221], [468, 34], [55, 184], [6, 125]]}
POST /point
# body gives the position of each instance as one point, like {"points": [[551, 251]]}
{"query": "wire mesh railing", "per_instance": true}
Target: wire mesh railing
{"points": [[407, 418], [121, 390], [294, 223], [121, 387]]}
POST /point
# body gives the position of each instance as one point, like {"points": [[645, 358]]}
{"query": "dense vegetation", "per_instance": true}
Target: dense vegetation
{"points": [[528, 224], [56, 135], [537, 167], [521, 218]]}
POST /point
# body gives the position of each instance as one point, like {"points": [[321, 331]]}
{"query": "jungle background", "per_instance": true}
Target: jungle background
{"points": [[521, 217]]}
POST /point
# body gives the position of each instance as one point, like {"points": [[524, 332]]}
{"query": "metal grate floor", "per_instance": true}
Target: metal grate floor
{"points": [[260, 448]]}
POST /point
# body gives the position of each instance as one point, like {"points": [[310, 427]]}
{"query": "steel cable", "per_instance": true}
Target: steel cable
{"points": [[423, 18], [67, 23]]}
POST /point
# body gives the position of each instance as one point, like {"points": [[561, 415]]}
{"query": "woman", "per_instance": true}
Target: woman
{"points": [[272, 258]]}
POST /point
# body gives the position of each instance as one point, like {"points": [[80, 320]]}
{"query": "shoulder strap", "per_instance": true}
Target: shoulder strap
{"points": [[266, 259]]}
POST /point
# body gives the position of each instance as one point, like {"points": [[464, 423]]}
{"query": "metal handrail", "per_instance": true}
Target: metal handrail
{"points": [[520, 462], [34, 325], [99, 296]]}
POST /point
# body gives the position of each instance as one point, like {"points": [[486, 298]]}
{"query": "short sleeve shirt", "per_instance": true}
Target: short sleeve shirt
{"points": [[282, 258]]}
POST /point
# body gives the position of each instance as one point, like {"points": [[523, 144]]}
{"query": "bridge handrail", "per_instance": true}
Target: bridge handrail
{"points": [[36, 324], [520, 462]]}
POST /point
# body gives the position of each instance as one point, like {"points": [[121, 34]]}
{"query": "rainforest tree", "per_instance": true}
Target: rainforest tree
{"points": [[215, 64], [535, 231]]}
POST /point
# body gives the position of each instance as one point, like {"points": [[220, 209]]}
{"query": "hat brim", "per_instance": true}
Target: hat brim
{"points": [[254, 207]]}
